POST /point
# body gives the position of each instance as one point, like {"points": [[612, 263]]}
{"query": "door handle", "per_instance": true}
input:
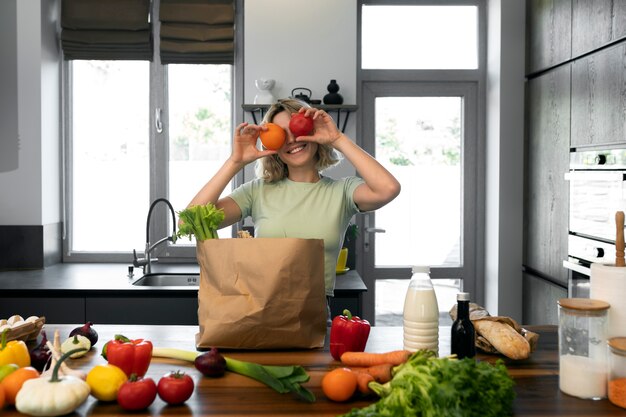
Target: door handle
{"points": [[158, 123], [369, 230]]}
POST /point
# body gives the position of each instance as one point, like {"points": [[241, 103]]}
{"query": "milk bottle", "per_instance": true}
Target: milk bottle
{"points": [[421, 313]]}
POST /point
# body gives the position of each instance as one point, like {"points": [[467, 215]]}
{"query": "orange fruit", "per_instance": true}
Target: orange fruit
{"points": [[13, 382], [339, 384], [274, 137], [1, 397]]}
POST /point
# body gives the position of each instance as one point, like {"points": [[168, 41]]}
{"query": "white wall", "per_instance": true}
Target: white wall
{"points": [[302, 43], [30, 189]]}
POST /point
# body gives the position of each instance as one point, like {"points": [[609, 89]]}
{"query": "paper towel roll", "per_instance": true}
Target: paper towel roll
{"points": [[608, 283]]}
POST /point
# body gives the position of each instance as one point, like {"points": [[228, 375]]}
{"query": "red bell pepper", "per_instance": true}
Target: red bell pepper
{"points": [[348, 333], [131, 356]]}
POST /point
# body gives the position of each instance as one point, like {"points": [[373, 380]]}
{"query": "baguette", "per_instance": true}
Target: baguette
{"points": [[504, 338]]}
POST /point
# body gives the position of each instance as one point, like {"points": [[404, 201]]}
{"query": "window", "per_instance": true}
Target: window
{"points": [[199, 129], [139, 130], [415, 37], [420, 100], [109, 155], [120, 163]]}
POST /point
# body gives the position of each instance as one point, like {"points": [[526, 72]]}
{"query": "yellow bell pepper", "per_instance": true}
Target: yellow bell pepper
{"points": [[14, 351]]}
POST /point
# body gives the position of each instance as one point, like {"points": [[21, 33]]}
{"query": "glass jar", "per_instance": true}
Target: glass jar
{"points": [[617, 371], [582, 347]]}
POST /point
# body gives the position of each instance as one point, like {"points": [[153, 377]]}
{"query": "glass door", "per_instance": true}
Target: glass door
{"points": [[425, 134]]}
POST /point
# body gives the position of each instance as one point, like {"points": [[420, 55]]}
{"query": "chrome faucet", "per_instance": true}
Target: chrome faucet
{"points": [[146, 261]]}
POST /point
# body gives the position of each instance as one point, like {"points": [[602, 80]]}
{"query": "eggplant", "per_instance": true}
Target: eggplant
{"points": [[40, 354], [211, 363], [87, 331]]}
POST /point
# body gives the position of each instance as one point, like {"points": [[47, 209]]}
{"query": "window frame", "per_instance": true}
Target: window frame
{"points": [[158, 153], [368, 79]]}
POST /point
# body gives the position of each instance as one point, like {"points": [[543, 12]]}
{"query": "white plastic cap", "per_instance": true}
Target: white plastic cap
{"points": [[463, 296], [421, 269]]}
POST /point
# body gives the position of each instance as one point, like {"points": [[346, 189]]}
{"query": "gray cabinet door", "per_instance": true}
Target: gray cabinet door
{"points": [[547, 160], [592, 23], [599, 98], [57, 310], [539, 302], [548, 33], [144, 310]]}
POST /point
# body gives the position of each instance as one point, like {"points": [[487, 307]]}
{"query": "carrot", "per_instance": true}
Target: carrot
{"points": [[367, 359], [380, 373], [362, 380]]}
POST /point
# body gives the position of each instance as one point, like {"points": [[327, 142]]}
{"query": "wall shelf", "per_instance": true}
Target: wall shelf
{"points": [[337, 109]]}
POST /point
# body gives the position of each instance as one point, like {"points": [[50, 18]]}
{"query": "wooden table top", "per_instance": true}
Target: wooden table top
{"points": [[234, 395]]}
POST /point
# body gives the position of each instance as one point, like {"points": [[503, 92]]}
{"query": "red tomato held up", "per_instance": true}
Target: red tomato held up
{"points": [[137, 393], [175, 387], [300, 125]]}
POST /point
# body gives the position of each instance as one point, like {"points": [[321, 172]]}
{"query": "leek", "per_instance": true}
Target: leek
{"points": [[282, 379]]}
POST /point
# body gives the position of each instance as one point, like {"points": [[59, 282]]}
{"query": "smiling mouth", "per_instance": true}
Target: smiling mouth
{"points": [[296, 150]]}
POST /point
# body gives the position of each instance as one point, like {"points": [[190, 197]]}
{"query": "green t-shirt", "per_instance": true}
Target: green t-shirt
{"points": [[320, 210]]}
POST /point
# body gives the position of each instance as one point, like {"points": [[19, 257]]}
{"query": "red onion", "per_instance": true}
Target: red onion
{"points": [[87, 331], [211, 363], [40, 354]]}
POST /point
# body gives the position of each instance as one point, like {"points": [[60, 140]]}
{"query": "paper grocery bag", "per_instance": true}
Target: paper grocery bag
{"points": [[261, 293]]}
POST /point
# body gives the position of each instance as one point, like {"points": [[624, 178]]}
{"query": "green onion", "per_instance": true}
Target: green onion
{"points": [[282, 379]]}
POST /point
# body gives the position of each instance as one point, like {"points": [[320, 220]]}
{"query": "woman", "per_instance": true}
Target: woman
{"points": [[291, 198]]}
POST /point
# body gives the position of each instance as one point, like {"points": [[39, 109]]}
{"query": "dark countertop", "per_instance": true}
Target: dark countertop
{"points": [[99, 278]]}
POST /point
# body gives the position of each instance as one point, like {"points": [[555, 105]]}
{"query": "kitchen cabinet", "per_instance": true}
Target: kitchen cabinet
{"points": [[548, 33], [160, 310], [619, 19], [596, 24], [547, 161], [539, 301], [102, 293], [55, 309], [599, 98], [591, 25]]}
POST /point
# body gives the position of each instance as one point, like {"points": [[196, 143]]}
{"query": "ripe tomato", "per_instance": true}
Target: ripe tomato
{"points": [[300, 125], [274, 137], [137, 393], [175, 387]]}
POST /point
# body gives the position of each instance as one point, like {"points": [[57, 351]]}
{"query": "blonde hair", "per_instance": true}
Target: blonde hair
{"points": [[271, 168]]}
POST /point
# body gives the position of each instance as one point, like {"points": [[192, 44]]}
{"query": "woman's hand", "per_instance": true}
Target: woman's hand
{"points": [[325, 130], [244, 144]]}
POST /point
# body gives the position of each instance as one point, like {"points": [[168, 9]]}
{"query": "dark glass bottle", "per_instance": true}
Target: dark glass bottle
{"points": [[462, 340]]}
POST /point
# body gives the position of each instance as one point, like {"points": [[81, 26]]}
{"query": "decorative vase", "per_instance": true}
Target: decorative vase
{"points": [[264, 96], [333, 97]]}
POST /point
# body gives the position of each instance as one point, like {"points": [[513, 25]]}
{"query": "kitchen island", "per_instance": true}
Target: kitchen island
{"points": [[536, 379]]}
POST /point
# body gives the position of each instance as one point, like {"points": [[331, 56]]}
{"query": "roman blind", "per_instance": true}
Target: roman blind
{"points": [[197, 31], [106, 29]]}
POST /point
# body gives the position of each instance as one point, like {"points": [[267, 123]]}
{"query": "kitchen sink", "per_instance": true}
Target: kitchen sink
{"points": [[169, 279]]}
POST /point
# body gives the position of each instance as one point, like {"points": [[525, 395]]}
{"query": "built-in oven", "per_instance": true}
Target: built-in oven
{"points": [[597, 190]]}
